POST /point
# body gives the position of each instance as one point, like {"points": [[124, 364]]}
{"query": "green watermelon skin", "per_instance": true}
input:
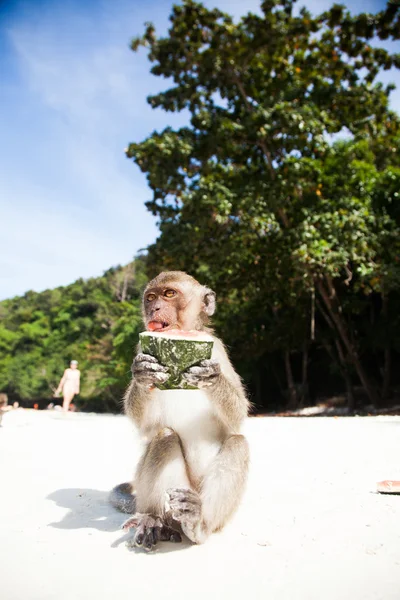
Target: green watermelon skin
{"points": [[176, 354]]}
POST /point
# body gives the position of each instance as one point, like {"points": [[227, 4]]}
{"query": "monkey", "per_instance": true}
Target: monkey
{"points": [[192, 474]]}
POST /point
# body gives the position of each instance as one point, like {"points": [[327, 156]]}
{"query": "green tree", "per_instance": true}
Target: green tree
{"points": [[96, 321], [251, 194]]}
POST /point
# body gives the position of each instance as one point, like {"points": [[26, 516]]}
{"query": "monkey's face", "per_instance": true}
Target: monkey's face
{"points": [[170, 307], [175, 300]]}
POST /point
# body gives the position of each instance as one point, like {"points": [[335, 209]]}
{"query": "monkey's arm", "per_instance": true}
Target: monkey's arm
{"points": [[230, 401], [135, 401], [221, 382], [147, 371]]}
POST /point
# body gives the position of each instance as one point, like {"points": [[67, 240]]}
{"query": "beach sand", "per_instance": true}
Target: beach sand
{"points": [[310, 526]]}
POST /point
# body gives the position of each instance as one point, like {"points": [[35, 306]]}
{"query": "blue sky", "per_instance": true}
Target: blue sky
{"points": [[73, 96]]}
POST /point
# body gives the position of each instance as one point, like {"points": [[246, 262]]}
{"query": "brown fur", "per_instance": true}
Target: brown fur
{"points": [[187, 310], [194, 468]]}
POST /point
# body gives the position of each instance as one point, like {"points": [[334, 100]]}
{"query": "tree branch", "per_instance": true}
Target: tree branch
{"points": [[249, 107]]}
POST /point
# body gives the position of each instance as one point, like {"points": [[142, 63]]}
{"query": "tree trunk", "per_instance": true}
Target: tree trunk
{"points": [[340, 360], [312, 323], [278, 378], [304, 374], [292, 403], [346, 377], [125, 287], [387, 367], [331, 303], [257, 380]]}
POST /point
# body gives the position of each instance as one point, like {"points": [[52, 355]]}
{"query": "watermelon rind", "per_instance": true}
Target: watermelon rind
{"points": [[177, 353]]}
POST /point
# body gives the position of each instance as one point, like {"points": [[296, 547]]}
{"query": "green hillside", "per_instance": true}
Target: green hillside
{"points": [[95, 321]]}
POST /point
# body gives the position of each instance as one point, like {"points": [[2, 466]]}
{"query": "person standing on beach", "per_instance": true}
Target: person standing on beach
{"points": [[69, 384], [4, 406]]}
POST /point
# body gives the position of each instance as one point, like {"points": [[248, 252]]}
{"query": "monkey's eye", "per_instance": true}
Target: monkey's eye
{"points": [[169, 293], [150, 297]]}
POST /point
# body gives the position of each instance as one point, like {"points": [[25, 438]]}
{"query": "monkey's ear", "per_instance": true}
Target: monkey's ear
{"points": [[209, 302]]}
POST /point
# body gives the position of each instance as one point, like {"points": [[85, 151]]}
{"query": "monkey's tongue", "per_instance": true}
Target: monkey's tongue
{"points": [[155, 326]]}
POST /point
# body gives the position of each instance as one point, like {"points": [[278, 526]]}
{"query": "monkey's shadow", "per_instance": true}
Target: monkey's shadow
{"points": [[90, 509]]}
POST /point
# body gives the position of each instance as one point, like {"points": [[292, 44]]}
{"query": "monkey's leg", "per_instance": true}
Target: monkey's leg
{"points": [[161, 467], [221, 491]]}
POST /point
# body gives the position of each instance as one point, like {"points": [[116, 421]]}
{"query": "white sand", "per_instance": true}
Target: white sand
{"points": [[310, 526]]}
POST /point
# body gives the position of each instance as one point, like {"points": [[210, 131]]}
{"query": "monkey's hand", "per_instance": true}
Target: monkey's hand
{"points": [[203, 375], [147, 371]]}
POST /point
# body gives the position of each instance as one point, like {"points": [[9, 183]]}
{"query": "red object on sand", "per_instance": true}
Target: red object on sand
{"points": [[388, 486]]}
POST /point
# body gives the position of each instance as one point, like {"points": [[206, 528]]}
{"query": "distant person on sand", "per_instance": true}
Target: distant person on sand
{"points": [[69, 384], [4, 406]]}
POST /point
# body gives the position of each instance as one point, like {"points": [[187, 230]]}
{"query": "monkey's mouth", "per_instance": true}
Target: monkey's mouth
{"points": [[157, 326]]}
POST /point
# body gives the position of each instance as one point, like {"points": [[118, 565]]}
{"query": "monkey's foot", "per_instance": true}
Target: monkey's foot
{"points": [[185, 508], [149, 531]]}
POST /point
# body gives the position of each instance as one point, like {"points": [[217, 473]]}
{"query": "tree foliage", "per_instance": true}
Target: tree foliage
{"points": [[96, 322], [299, 234]]}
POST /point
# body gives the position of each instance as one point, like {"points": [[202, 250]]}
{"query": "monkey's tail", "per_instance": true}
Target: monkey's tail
{"points": [[123, 499]]}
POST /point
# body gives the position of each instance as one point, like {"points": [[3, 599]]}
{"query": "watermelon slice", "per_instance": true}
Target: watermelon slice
{"points": [[177, 350]]}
